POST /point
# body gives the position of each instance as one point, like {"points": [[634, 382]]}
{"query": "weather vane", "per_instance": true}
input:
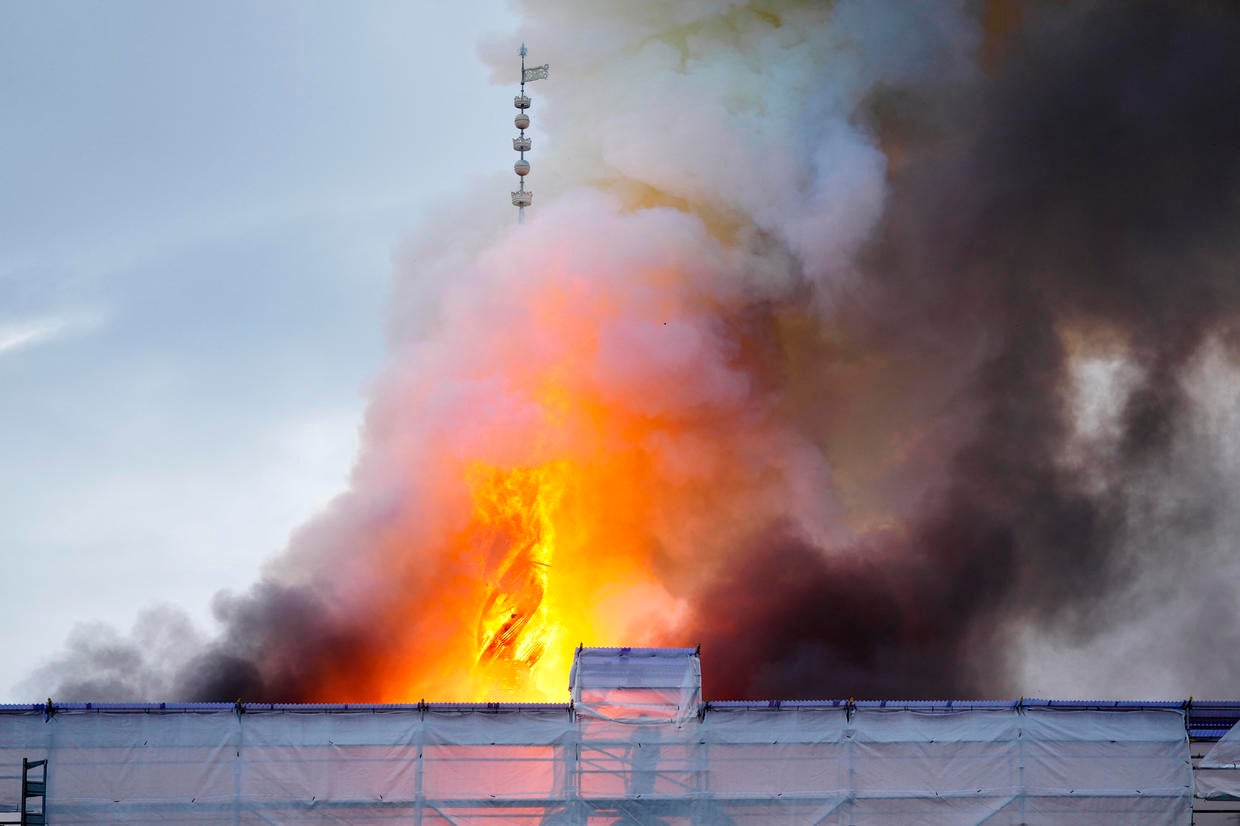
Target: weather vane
{"points": [[522, 197]]}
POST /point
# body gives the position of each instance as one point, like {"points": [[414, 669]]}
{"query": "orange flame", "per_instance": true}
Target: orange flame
{"points": [[549, 556], [549, 578], [514, 513], [598, 466]]}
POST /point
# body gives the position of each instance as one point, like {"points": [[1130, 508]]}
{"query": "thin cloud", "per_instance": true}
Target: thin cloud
{"points": [[32, 332]]}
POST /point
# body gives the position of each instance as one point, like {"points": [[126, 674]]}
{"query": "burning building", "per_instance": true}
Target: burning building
{"points": [[637, 745], [887, 349]]}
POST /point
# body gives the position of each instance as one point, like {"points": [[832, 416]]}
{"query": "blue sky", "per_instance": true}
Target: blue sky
{"points": [[198, 206]]}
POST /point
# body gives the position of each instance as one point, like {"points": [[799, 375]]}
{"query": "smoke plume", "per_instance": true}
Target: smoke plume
{"points": [[885, 349]]}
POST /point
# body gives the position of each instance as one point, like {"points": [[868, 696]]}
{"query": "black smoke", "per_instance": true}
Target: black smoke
{"points": [[1092, 182]]}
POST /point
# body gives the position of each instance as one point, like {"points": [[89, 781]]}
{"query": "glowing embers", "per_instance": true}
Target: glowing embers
{"points": [[515, 538]]}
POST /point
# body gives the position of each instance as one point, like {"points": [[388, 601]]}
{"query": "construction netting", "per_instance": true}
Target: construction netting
{"points": [[637, 684], [742, 765], [1218, 773], [618, 758]]}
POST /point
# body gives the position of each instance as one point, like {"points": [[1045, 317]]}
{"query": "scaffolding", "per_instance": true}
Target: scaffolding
{"points": [[615, 755]]}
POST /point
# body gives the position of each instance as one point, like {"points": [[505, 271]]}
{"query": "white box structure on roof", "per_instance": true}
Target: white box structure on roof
{"points": [[615, 756], [637, 684]]}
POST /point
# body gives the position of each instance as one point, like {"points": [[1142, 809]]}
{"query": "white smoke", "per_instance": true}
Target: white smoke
{"points": [[744, 114]]}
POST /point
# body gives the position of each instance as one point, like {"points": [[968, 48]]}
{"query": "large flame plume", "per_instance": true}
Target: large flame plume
{"points": [[882, 348]]}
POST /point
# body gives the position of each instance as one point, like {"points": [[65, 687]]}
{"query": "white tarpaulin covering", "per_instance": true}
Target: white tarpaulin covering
{"points": [[637, 684], [1218, 773], [733, 764]]}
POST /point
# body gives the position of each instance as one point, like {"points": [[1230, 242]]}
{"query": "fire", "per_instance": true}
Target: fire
{"points": [[561, 555], [596, 456], [514, 520], [548, 555]]}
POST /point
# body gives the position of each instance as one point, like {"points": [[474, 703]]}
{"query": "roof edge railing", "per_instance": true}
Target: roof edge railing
{"points": [[1204, 719]]}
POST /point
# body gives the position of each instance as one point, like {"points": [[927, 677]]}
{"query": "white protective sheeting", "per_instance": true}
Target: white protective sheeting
{"points": [[733, 764], [637, 684], [1218, 773]]}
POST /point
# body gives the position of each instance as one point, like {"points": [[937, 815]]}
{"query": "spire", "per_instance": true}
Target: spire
{"points": [[522, 197]]}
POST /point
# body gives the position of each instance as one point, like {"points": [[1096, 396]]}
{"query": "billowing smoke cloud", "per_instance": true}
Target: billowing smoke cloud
{"points": [[884, 349]]}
